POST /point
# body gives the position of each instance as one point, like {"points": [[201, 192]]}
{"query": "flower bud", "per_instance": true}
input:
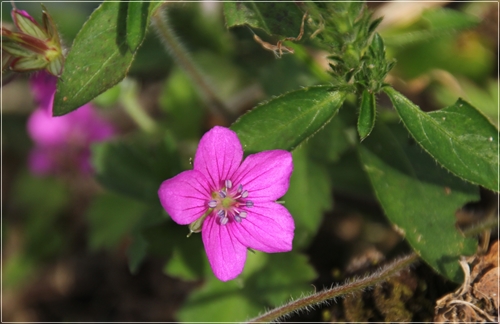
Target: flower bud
{"points": [[32, 47]]}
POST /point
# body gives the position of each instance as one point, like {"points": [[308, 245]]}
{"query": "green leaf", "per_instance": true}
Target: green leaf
{"points": [[286, 121], [41, 196], [225, 76], [285, 276], [218, 301], [367, 113], [308, 196], [163, 237], [137, 252], [137, 23], [459, 137], [154, 8], [188, 260], [419, 59], [184, 106], [348, 177], [449, 19], [419, 197], [337, 137], [43, 201], [18, 270], [434, 24], [135, 167], [267, 281], [109, 97], [278, 18], [378, 46], [290, 72], [111, 219], [232, 296], [483, 98], [374, 24], [99, 58], [141, 245]]}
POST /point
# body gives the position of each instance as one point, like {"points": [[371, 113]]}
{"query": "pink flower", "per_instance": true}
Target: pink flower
{"points": [[233, 203], [62, 143]]}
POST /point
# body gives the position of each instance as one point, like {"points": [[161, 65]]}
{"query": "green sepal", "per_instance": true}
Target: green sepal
{"points": [[196, 226], [28, 26], [367, 114], [28, 63]]}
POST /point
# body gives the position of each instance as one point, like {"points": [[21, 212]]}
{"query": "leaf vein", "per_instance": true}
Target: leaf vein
{"points": [[94, 75]]}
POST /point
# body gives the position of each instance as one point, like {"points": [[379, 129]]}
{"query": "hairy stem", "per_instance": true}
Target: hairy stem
{"points": [[317, 298], [487, 224], [181, 56]]}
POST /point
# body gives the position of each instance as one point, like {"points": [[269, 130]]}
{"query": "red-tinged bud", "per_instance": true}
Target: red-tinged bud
{"points": [[22, 13], [26, 24], [23, 44], [33, 47], [27, 63]]}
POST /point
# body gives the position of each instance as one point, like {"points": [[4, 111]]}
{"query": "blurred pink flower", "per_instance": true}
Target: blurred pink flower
{"points": [[232, 203], [62, 143]]}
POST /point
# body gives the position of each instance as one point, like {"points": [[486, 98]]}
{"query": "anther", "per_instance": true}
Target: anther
{"points": [[212, 203], [242, 214], [224, 220], [229, 184], [240, 188], [249, 203], [244, 194], [222, 193]]}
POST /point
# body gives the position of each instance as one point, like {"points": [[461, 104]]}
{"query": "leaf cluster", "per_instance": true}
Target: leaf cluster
{"points": [[357, 56]]}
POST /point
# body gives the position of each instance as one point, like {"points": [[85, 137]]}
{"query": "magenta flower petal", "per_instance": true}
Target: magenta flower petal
{"points": [[225, 253], [64, 140], [268, 227], [43, 86], [83, 160], [40, 163], [46, 130], [100, 129], [88, 123], [266, 175], [185, 196], [219, 154], [23, 13]]}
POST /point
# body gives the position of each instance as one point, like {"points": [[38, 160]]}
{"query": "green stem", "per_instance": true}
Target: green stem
{"points": [[181, 56], [132, 106], [348, 288]]}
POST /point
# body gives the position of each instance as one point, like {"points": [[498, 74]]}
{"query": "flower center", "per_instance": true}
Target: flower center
{"points": [[228, 203]]}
